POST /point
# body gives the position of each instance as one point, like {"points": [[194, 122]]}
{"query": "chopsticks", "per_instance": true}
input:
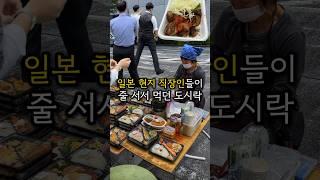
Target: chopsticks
{"points": [[195, 157], [204, 132]]}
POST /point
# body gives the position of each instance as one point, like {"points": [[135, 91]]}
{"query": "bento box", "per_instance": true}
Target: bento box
{"points": [[92, 155], [184, 20], [129, 121], [6, 129], [14, 94], [19, 154], [67, 170], [167, 149], [143, 137], [79, 125], [64, 144], [117, 137]]}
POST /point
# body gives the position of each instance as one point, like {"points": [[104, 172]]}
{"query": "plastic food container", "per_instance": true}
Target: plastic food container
{"points": [[189, 129], [203, 34], [169, 132]]}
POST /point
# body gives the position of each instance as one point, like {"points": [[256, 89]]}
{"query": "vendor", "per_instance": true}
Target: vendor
{"points": [[261, 27], [190, 69]]}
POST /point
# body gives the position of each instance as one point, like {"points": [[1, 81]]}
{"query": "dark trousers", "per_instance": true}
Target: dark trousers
{"points": [[73, 29], [126, 52], [151, 43]]}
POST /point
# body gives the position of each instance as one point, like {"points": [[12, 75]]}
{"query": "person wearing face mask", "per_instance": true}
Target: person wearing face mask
{"points": [[190, 69], [261, 27]]}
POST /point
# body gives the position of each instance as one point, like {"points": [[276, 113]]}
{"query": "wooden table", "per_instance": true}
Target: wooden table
{"points": [[315, 174], [116, 151], [160, 162]]}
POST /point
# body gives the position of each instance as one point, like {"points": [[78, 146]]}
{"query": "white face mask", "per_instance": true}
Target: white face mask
{"points": [[187, 66], [248, 14]]}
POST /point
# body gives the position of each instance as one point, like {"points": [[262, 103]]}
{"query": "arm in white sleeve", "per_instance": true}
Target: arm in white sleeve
{"points": [[155, 24], [14, 48], [113, 77], [138, 24]]}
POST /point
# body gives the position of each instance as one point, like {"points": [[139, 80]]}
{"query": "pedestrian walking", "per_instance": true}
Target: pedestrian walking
{"points": [[148, 33]]}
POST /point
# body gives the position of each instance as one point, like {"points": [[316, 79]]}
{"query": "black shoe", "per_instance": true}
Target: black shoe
{"points": [[160, 72]]}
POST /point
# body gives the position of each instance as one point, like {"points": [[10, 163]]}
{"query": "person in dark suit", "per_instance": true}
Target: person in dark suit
{"points": [[148, 32]]}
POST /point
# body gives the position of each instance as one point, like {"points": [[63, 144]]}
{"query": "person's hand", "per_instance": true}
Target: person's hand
{"points": [[156, 36], [124, 63], [113, 64], [46, 10], [8, 10]]}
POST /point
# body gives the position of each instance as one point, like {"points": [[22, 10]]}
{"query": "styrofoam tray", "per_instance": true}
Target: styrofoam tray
{"points": [[204, 31]]}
